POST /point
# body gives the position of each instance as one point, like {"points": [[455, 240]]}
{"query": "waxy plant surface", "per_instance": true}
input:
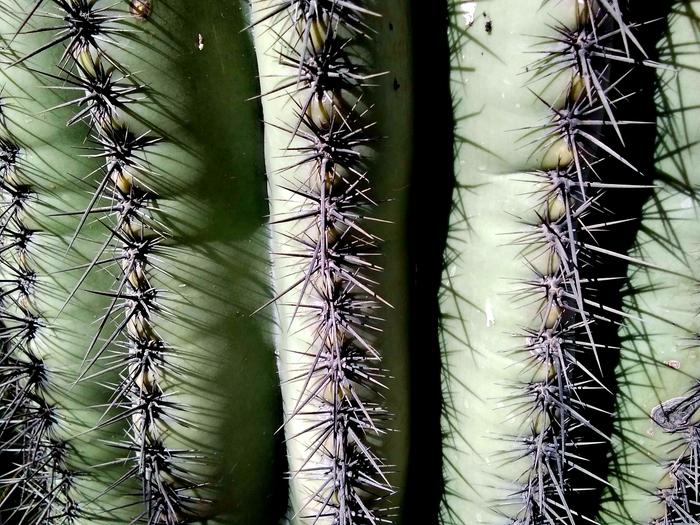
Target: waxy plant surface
{"points": [[349, 262]]}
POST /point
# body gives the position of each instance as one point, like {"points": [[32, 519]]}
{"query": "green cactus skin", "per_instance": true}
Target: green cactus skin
{"points": [[326, 109], [655, 461], [36, 427], [204, 270], [136, 386], [479, 314], [539, 143]]}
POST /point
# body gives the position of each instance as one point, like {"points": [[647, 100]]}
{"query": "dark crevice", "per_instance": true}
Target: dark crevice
{"points": [[430, 199]]}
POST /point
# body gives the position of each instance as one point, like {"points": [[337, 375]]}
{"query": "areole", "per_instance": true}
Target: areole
{"points": [[349, 262]]}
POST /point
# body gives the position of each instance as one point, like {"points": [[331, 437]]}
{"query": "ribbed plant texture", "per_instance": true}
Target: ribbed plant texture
{"points": [[528, 318], [133, 253], [318, 75], [656, 469], [349, 262]]}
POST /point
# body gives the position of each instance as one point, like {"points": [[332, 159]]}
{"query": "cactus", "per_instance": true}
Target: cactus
{"points": [[243, 280], [132, 257], [321, 93], [525, 297], [655, 459]]}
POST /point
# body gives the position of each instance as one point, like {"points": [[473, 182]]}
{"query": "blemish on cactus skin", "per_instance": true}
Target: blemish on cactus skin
{"points": [[490, 316], [674, 364], [468, 10], [141, 9]]}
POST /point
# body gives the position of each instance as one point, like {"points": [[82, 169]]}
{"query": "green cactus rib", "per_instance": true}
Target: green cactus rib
{"points": [[655, 465], [523, 319], [321, 94], [139, 395], [40, 482], [39, 486], [153, 270]]}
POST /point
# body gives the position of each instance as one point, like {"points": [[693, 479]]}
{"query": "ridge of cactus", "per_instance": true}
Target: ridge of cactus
{"points": [[122, 200], [319, 98], [39, 486], [550, 287], [654, 463], [40, 481], [151, 273]]}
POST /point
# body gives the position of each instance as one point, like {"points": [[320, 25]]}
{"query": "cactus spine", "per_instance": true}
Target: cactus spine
{"points": [[317, 79], [151, 273], [654, 464], [523, 288]]}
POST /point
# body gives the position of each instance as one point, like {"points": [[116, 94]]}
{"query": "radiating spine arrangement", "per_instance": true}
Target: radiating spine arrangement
{"points": [[39, 485], [316, 77], [655, 464], [599, 53], [122, 202], [555, 419]]}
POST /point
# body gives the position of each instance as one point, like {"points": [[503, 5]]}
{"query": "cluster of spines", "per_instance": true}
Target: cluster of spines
{"points": [[563, 348], [681, 499], [339, 404], [38, 485], [554, 400], [126, 340], [677, 417]]}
